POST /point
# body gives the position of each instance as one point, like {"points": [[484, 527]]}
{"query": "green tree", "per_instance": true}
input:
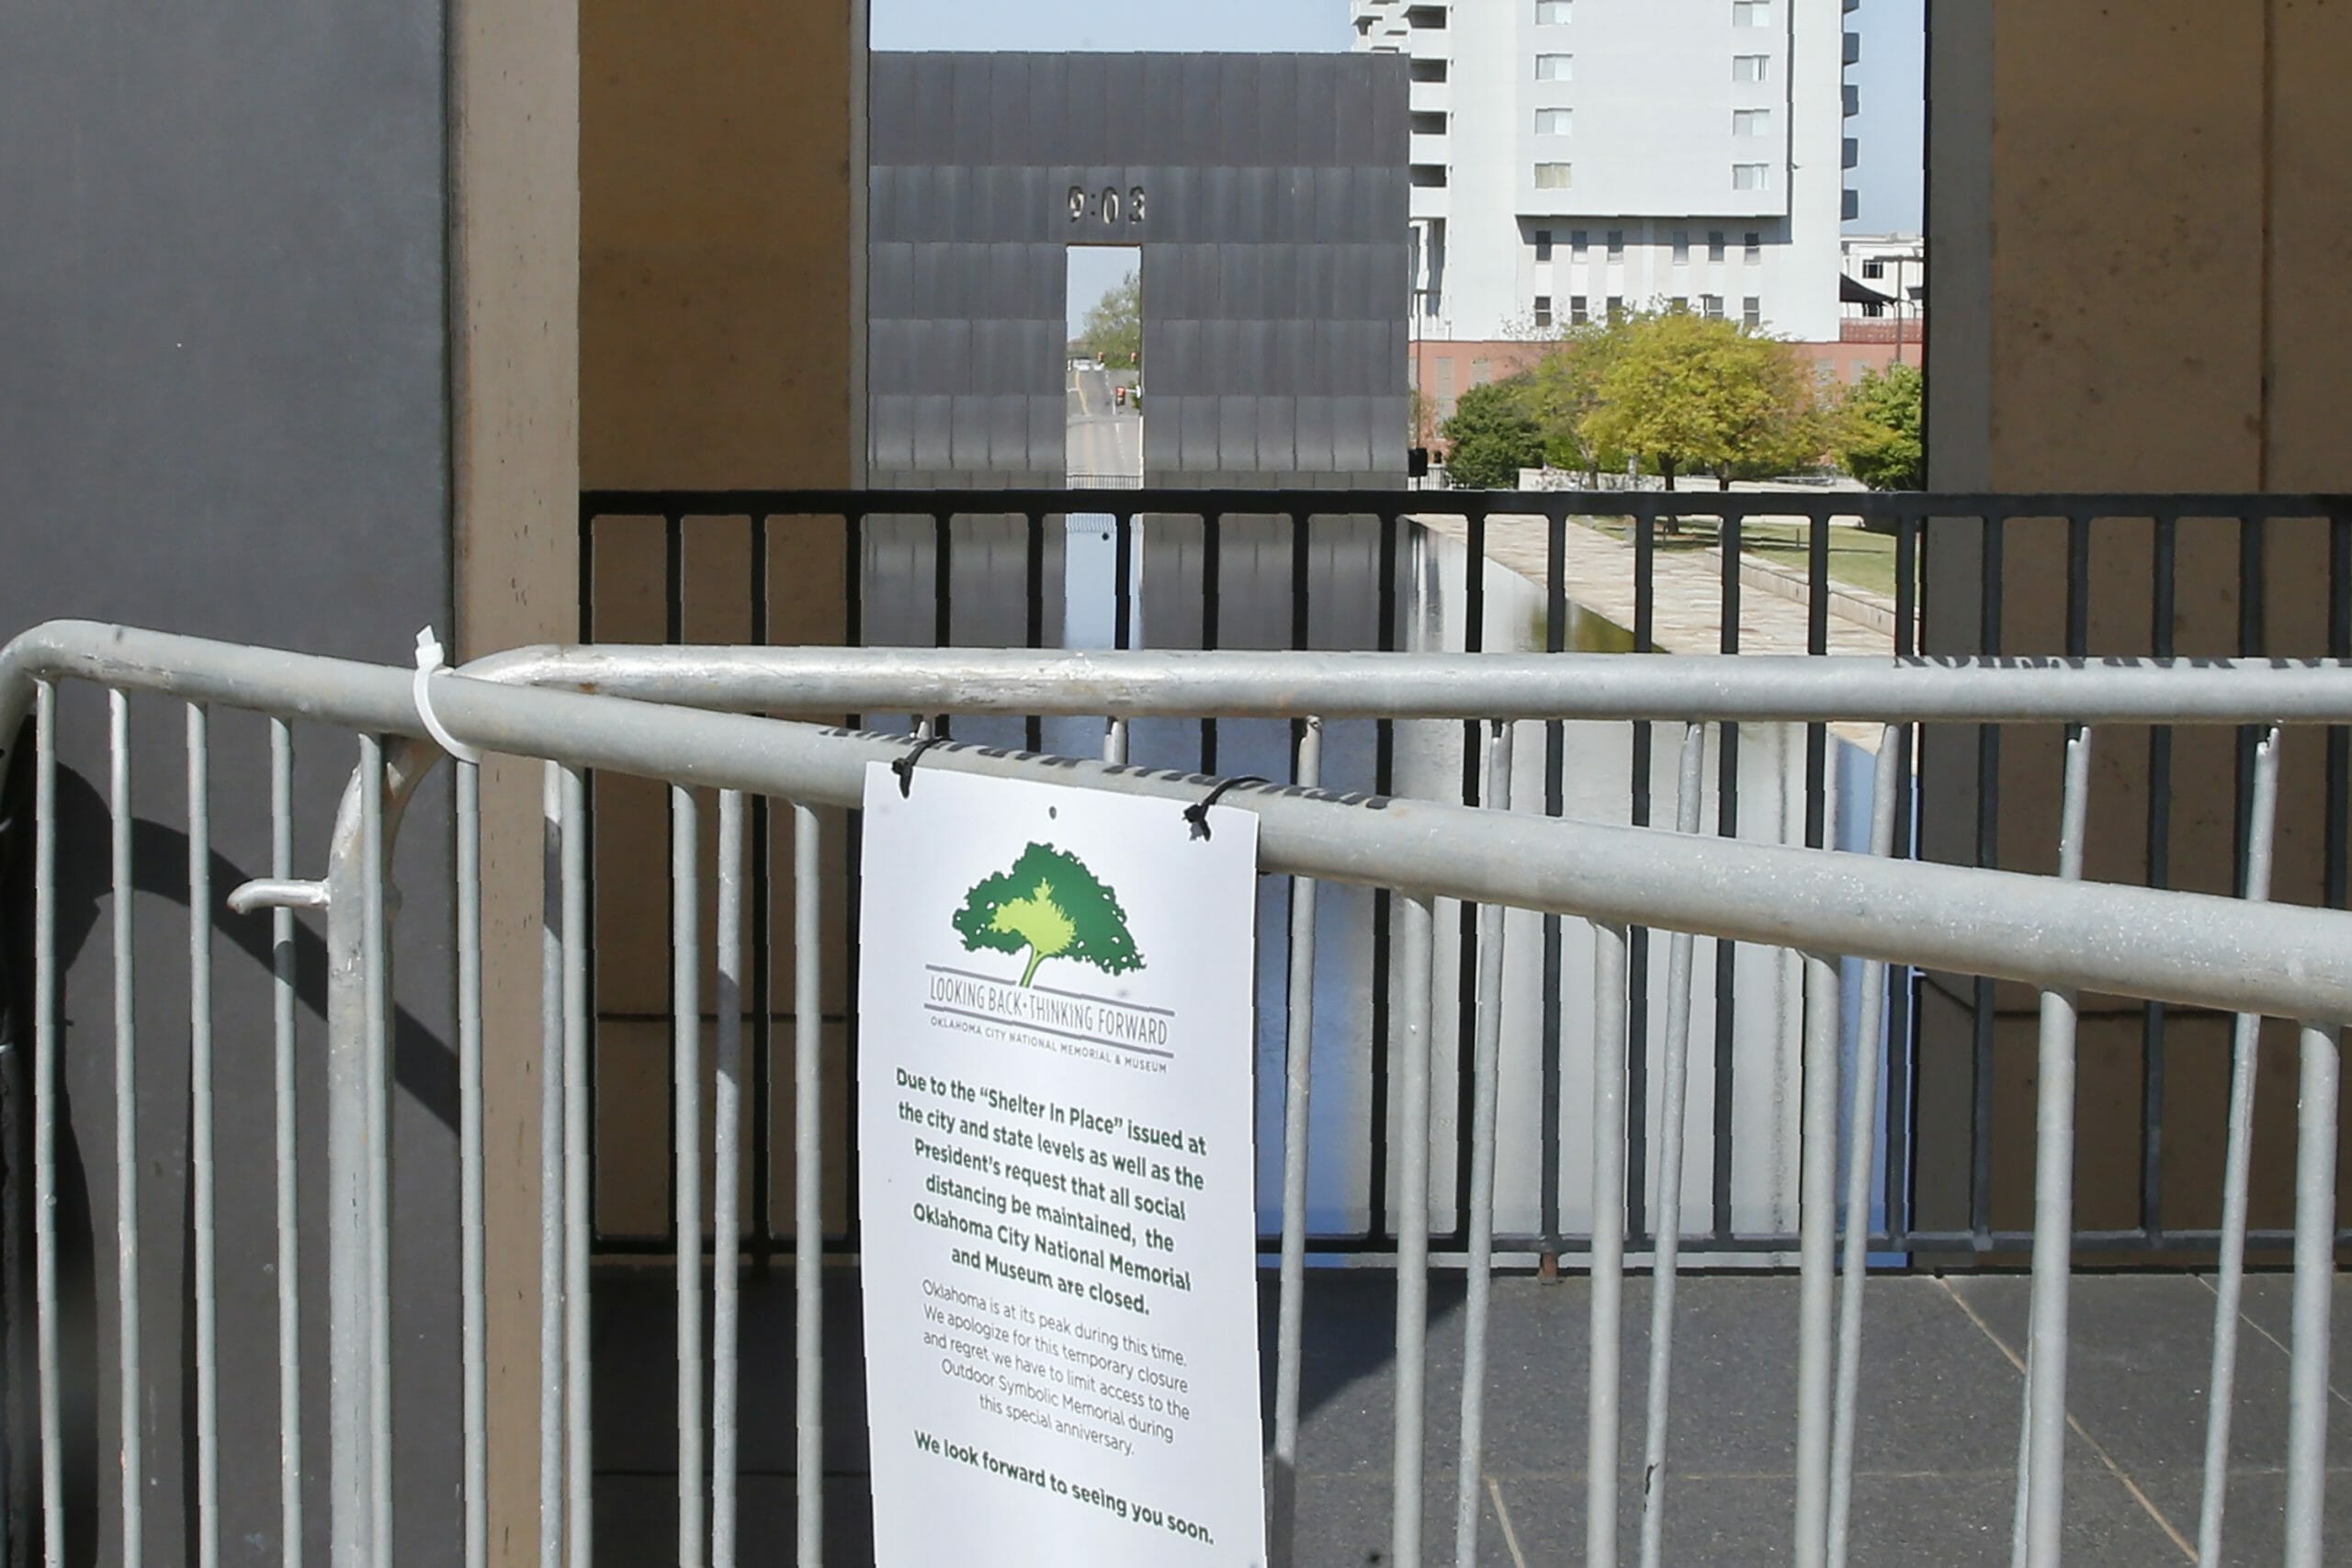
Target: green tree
{"points": [[1492, 434], [1687, 393], [1563, 389], [1788, 427], [1878, 429], [1049, 904], [1112, 329]]}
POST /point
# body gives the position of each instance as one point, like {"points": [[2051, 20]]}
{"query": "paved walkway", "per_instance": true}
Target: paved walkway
{"points": [[1935, 1447], [1688, 597]]}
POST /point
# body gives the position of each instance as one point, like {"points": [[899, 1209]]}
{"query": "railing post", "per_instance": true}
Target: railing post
{"points": [[358, 1156], [350, 1315]]}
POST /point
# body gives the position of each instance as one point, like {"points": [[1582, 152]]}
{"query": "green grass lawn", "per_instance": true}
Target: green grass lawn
{"points": [[1857, 556]]}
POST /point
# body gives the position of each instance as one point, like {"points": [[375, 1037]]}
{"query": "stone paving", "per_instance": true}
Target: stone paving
{"points": [[1935, 1448]]}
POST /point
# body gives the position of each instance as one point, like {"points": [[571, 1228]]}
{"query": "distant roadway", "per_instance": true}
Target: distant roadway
{"points": [[1104, 438]]}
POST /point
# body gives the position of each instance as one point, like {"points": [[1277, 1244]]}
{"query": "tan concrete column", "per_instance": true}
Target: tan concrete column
{"points": [[515, 230], [2138, 233]]}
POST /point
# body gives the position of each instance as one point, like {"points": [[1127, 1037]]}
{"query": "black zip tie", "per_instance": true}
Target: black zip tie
{"points": [[905, 766], [1197, 814]]}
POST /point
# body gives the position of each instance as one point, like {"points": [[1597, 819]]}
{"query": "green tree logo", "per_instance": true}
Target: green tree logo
{"points": [[1049, 904]]}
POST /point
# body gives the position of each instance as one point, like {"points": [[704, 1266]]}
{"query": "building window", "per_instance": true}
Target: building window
{"points": [[1429, 71], [1543, 244], [1427, 122], [1579, 311], [1554, 13], [1747, 13], [1578, 244], [1873, 267], [1755, 248], [1714, 244], [1711, 305], [1425, 16], [1542, 310], [1556, 67], [1853, 100], [1554, 122], [1749, 176], [1752, 67], [1680, 304], [1554, 176], [1751, 122], [1751, 313], [1616, 244], [1682, 247], [1616, 306], [1428, 176]]}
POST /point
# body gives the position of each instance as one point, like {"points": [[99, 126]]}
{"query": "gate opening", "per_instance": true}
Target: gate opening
{"points": [[1103, 439]]}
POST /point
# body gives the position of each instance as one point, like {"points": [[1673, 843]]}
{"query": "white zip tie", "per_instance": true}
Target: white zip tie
{"points": [[430, 662]]}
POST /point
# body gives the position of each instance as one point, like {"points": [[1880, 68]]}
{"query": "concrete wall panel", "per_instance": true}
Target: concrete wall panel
{"points": [[1274, 263]]}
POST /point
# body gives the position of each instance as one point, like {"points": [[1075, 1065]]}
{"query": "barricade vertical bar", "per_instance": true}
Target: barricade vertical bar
{"points": [[1607, 1241], [726, 1181], [1861, 1139], [1484, 1085], [1299, 1077], [685, 988], [1412, 1229], [579, 1173], [2054, 1180], [1674, 1080], [809, 1196], [126, 1134], [351, 1427], [53, 1459], [1816, 1248], [375, 991], [2308, 1395], [472, 1306], [200, 1137], [1114, 742], [2246, 1050], [554, 936]]}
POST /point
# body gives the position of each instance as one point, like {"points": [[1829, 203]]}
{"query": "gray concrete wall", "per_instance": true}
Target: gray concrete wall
{"points": [[1274, 244], [224, 409]]}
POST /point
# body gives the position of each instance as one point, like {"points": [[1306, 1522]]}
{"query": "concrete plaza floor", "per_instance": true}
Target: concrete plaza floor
{"points": [[1935, 1474]]}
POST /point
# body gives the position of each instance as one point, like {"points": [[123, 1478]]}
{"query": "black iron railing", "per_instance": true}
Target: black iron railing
{"points": [[1992, 575]]}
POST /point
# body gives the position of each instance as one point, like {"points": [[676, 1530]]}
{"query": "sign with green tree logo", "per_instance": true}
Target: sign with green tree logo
{"points": [[1058, 1176], [1050, 905]]}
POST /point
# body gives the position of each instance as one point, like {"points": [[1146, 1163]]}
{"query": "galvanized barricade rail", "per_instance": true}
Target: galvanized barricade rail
{"points": [[2061, 935]]}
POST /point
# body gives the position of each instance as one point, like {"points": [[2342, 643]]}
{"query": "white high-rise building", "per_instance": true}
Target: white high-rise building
{"points": [[1573, 156]]}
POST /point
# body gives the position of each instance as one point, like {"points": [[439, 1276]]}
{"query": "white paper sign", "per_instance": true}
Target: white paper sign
{"points": [[1054, 1144]]}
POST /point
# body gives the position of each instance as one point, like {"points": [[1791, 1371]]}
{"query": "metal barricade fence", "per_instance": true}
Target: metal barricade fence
{"points": [[2060, 935]]}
